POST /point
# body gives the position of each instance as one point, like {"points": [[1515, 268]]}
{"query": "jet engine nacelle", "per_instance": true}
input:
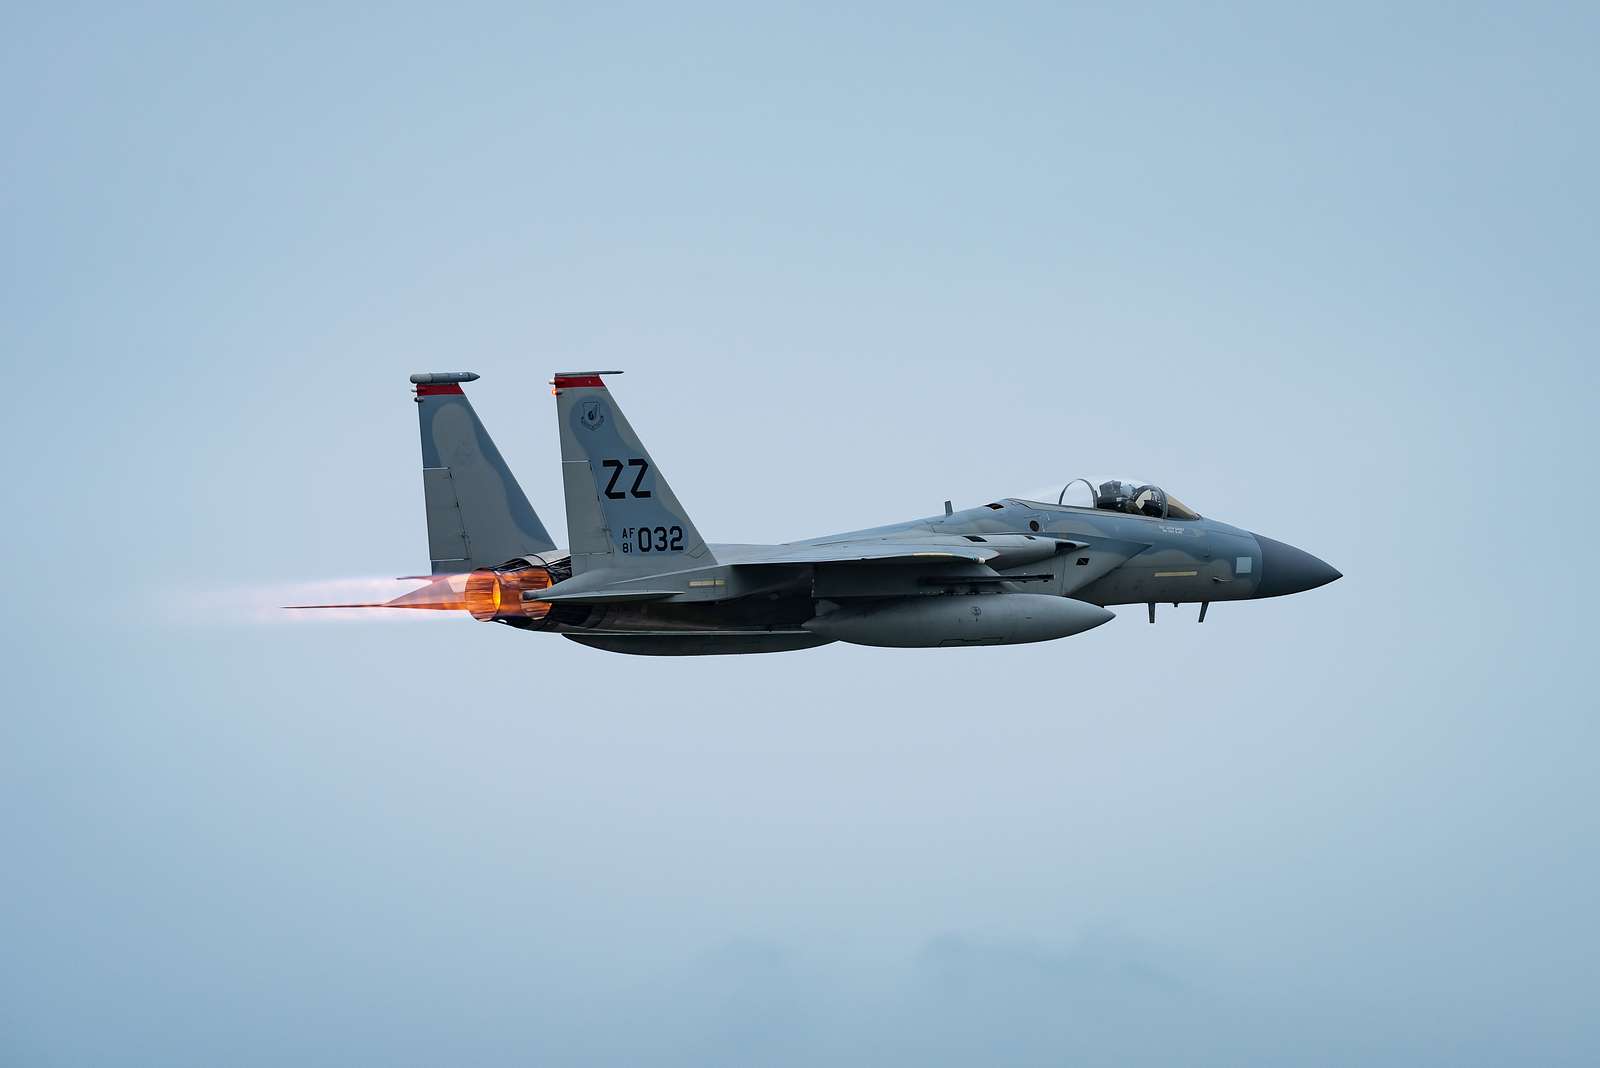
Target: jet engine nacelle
{"points": [[981, 619], [506, 592]]}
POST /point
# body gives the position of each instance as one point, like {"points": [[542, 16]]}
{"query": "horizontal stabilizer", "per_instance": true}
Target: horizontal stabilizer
{"points": [[608, 596]]}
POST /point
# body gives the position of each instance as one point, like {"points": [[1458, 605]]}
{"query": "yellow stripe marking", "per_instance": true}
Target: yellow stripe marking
{"points": [[1176, 574]]}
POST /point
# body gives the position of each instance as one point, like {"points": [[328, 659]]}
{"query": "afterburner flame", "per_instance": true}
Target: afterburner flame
{"points": [[488, 594], [441, 594], [501, 594]]}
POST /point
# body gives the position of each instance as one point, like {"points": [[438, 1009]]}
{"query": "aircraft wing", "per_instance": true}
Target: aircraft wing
{"points": [[999, 551], [878, 552], [852, 565]]}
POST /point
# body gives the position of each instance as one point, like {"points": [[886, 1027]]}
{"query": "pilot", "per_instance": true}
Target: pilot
{"points": [[1147, 502]]}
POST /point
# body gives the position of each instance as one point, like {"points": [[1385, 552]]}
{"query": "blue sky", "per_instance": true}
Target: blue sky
{"points": [[1325, 275]]}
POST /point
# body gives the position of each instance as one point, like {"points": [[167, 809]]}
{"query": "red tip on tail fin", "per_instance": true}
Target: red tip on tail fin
{"points": [[581, 379]]}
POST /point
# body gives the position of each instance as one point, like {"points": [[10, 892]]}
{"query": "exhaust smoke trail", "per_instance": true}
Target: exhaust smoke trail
{"points": [[334, 600]]}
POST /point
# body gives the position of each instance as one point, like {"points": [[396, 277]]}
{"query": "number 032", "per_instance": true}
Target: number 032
{"points": [[653, 539]]}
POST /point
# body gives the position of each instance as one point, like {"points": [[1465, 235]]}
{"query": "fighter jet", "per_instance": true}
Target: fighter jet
{"points": [[638, 577]]}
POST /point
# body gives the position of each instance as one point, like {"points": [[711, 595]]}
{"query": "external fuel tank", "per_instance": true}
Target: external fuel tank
{"points": [[969, 619]]}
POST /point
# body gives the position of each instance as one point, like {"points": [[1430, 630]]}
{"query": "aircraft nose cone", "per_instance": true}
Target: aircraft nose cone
{"points": [[1285, 569]]}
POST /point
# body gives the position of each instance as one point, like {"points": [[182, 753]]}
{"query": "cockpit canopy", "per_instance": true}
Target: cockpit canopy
{"points": [[1118, 495]]}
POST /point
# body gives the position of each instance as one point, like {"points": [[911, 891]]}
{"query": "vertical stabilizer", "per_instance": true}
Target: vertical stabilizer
{"points": [[477, 514], [620, 511]]}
